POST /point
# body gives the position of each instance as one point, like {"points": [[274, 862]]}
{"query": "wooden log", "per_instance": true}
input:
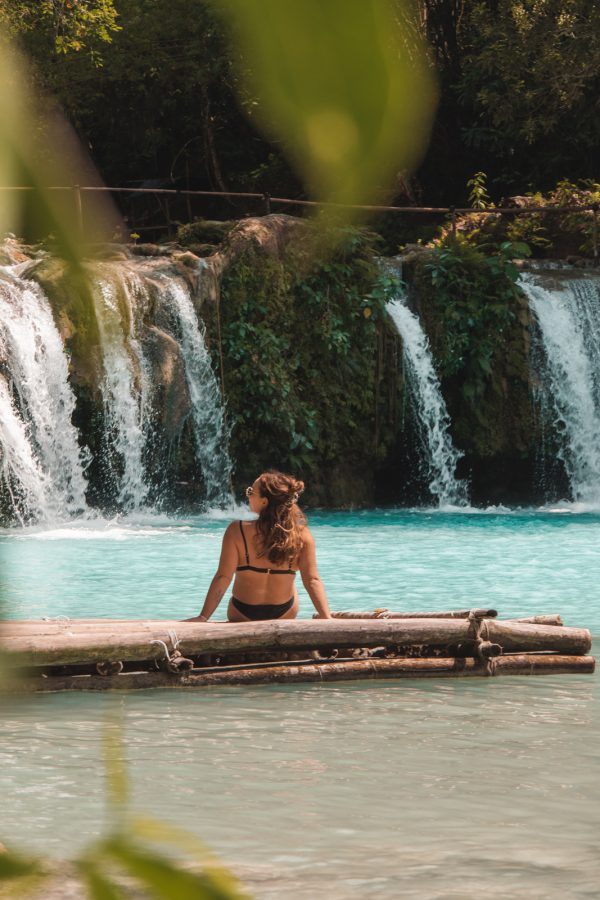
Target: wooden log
{"points": [[553, 619], [16, 627], [196, 638], [309, 671], [384, 613]]}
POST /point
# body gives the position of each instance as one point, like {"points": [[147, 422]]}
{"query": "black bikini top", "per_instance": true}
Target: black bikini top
{"points": [[249, 568]]}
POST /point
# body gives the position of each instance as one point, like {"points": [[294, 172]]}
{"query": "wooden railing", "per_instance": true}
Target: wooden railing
{"points": [[267, 201]]}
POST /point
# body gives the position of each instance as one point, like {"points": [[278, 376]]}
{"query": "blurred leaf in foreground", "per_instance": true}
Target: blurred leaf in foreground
{"points": [[39, 150], [345, 85]]}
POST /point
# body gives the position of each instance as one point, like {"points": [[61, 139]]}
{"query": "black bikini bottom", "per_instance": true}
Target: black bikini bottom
{"points": [[263, 610]]}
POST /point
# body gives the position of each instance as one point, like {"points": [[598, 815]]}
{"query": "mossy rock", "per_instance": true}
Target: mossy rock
{"points": [[203, 231]]}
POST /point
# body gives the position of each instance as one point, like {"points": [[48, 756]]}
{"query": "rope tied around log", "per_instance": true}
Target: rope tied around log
{"points": [[172, 661], [485, 651]]}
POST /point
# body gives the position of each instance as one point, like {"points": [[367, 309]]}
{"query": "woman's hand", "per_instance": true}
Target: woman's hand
{"points": [[221, 581]]}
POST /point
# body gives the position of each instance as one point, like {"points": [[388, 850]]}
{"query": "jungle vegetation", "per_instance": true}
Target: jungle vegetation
{"points": [[152, 90]]}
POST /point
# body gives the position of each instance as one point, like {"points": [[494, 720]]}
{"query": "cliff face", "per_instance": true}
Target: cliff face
{"points": [[480, 326], [306, 358]]}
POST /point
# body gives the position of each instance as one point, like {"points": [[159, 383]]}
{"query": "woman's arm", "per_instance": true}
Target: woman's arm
{"points": [[227, 566], [310, 576]]}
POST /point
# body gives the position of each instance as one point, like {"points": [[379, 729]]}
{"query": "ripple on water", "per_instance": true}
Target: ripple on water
{"points": [[412, 789]]}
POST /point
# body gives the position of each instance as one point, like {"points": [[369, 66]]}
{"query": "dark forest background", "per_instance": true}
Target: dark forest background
{"points": [[151, 89]]}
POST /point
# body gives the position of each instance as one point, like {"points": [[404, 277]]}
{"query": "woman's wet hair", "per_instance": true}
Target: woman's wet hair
{"points": [[280, 523]]}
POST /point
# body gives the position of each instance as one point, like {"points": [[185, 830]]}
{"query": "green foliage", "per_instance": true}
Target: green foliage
{"points": [[341, 84], [518, 81], [13, 865], [474, 314], [203, 231], [528, 82], [478, 195], [549, 235], [300, 338], [129, 852], [63, 27]]}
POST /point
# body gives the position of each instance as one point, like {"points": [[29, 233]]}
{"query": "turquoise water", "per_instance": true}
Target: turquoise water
{"points": [[444, 788], [520, 563]]}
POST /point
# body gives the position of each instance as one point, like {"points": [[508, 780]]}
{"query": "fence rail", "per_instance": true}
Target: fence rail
{"points": [[268, 201]]}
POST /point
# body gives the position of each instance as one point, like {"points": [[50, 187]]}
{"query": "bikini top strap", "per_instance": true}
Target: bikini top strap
{"points": [[245, 543]]}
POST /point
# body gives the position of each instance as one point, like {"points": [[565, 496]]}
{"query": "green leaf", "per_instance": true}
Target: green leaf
{"points": [[147, 828], [485, 364], [100, 888], [163, 878], [14, 866], [114, 760], [345, 85], [39, 150]]}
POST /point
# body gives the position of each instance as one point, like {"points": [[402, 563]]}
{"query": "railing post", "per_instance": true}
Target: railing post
{"points": [[452, 211], [168, 216], [78, 208], [267, 203]]}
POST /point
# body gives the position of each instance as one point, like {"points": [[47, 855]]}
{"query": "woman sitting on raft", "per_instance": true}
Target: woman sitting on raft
{"points": [[264, 556]]}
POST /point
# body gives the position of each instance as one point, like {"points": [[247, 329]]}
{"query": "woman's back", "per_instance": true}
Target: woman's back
{"points": [[257, 579]]}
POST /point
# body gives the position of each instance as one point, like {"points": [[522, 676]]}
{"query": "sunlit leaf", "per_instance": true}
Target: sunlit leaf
{"points": [[99, 886], [162, 877], [150, 829], [14, 866], [39, 151], [114, 760], [345, 86]]}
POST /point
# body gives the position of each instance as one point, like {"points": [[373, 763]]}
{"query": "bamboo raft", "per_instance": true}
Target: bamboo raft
{"points": [[115, 654]]}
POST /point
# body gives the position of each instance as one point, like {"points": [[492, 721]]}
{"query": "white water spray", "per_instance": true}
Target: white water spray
{"points": [[440, 457], [125, 385], [210, 430], [42, 463], [569, 321]]}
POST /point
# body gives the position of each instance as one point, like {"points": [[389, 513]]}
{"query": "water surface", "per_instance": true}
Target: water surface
{"points": [[441, 788]]}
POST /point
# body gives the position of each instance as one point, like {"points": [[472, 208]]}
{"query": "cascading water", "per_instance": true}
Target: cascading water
{"points": [[568, 316], [440, 457], [42, 464], [211, 433], [20, 473], [125, 383]]}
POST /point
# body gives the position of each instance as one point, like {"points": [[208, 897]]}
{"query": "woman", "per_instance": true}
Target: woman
{"points": [[264, 556]]}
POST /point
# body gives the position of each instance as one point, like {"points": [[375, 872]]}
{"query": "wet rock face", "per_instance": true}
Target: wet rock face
{"points": [[170, 398]]}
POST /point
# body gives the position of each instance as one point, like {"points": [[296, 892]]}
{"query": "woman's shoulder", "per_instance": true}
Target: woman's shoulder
{"points": [[306, 535], [233, 528]]}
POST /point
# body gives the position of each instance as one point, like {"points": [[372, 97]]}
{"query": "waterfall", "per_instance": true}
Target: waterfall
{"points": [[568, 316], [440, 457], [122, 298], [210, 430], [125, 385], [42, 464]]}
